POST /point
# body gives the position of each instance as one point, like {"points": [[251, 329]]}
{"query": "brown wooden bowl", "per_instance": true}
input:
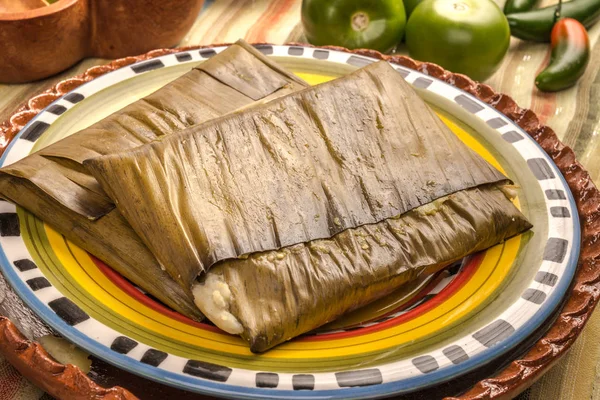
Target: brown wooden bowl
{"points": [[514, 374], [36, 43]]}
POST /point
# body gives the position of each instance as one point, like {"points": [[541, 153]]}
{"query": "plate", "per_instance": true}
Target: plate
{"points": [[429, 333]]}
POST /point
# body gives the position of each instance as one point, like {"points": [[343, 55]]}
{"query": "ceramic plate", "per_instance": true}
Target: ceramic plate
{"points": [[429, 332]]}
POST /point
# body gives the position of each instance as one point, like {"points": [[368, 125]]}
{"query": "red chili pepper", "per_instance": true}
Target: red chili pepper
{"points": [[570, 55]]}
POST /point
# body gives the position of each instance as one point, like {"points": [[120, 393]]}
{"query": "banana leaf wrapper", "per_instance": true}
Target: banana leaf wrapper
{"points": [[309, 165], [54, 185], [274, 296]]}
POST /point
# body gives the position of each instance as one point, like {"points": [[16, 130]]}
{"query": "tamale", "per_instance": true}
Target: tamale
{"points": [[310, 206], [274, 296], [54, 185], [305, 166]]}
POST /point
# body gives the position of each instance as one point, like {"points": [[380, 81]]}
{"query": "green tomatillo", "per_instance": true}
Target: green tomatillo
{"points": [[466, 36], [370, 24], [410, 5]]}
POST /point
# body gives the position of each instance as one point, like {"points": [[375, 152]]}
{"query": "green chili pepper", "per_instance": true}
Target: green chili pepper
{"points": [[516, 6], [570, 56], [537, 24]]}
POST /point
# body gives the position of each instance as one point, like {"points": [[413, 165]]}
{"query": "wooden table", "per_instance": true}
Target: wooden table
{"points": [[574, 114]]}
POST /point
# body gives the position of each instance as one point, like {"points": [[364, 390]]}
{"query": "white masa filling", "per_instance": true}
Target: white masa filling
{"points": [[213, 298]]}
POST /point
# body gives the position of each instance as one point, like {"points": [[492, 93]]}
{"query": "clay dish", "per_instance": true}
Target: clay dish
{"points": [[38, 40]]}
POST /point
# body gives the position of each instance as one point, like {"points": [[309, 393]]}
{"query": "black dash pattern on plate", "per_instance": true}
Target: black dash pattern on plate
{"points": [[9, 224], [24, 265], [267, 380], [207, 53], [266, 49], [182, 57], [68, 311], [560, 212], [321, 54], [364, 377], [123, 345], [422, 83], [456, 354], [295, 51], [540, 168], [425, 363], [534, 295], [403, 72], [33, 132], [546, 278], [206, 370], [74, 97], [468, 104], [56, 109], [494, 333], [147, 66], [303, 382], [556, 250], [496, 123], [38, 283], [556, 194], [154, 357], [512, 137], [359, 61]]}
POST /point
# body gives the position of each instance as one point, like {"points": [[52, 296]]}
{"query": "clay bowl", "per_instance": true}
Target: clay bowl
{"points": [[38, 40]]}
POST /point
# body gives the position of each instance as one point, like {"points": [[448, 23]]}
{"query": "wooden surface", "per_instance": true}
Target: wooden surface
{"points": [[574, 114]]}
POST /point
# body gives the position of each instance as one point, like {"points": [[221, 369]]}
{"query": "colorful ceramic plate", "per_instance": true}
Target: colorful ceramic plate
{"points": [[430, 332]]}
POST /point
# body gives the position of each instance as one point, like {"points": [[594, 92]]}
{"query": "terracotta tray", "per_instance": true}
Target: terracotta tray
{"points": [[535, 354]]}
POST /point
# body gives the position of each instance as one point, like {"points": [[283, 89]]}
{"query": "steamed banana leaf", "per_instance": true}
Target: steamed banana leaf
{"points": [[54, 185], [305, 166], [273, 296]]}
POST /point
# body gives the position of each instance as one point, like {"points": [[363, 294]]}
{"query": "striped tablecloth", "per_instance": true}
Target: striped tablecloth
{"points": [[574, 114]]}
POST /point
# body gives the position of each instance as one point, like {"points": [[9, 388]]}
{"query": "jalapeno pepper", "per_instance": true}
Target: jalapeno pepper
{"points": [[570, 56], [372, 24], [516, 6], [536, 25]]}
